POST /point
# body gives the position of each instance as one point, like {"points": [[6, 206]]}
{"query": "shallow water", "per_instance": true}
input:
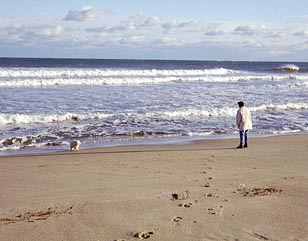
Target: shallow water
{"points": [[121, 102]]}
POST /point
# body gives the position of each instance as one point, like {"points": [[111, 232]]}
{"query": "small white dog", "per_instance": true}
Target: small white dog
{"points": [[75, 145]]}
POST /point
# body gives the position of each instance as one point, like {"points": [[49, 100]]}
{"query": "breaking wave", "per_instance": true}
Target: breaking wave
{"points": [[120, 126], [277, 107], [289, 68], [12, 119], [6, 119], [36, 77], [229, 112]]}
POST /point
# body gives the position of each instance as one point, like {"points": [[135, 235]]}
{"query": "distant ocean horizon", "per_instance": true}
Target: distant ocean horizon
{"points": [[47, 102]]}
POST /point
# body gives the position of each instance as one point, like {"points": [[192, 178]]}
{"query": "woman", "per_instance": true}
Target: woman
{"points": [[244, 123]]}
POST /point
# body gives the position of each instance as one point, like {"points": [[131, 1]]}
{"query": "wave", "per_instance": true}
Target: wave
{"points": [[80, 73], [227, 112], [6, 119], [289, 68], [276, 107], [230, 112], [190, 113], [37, 77], [303, 84]]}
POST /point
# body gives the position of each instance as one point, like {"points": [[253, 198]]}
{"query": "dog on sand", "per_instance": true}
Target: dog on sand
{"points": [[74, 145]]}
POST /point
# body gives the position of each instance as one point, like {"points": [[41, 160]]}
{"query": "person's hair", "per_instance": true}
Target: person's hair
{"points": [[240, 103]]}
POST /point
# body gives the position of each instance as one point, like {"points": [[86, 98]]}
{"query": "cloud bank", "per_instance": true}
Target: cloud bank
{"points": [[104, 35]]}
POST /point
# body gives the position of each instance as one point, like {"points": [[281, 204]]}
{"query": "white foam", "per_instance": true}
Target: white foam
{"points": [[192, 113], [200, 133], [288, 67], [303, 84], [6, 119], [288, 106], [80, 73], [229, 112], [36, 77]]}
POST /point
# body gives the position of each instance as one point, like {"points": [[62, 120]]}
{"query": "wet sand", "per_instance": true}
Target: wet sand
{"points": [[207, 190]]}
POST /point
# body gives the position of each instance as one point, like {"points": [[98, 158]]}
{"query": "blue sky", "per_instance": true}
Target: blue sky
{"points": [[146, 29]]}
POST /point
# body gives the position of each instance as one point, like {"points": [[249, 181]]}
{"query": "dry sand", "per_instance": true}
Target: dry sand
{"points": [[207, 190]]}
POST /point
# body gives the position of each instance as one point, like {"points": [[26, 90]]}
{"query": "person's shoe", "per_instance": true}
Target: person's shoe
{"points": [[240, 147], [246, 145]]}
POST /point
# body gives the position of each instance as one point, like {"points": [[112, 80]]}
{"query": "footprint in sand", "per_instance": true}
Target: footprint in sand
{"points": [[143, 235], [214, 211], [179, 196], [176, 220], [211, 211], [186, 205], [209, 194], [206, 185]]}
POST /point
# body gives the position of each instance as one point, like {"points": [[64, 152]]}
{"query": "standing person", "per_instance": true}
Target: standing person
{"points": [[244, 123]]}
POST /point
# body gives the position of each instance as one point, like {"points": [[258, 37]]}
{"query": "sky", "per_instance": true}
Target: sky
{"points": [[237, 30]]}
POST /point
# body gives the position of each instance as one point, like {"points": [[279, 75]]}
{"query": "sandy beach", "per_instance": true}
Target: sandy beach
{"points": [[207, 190]]}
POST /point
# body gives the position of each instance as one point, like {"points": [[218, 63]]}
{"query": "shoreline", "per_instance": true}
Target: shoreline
{"points": [[206, 190], [136, 142]]}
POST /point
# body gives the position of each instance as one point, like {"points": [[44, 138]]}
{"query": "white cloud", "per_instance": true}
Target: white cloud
{"points": [[166, 41], [133, 23], [25, 35], [249, 29], [214, 33], [11, 34], [303, 33], [178, 25], [117, 28], [99, 29], [151, 21], [46, 31], [148, 34], [86, 14], [276, 34], [140, 21], [133, 40], [213, 29]]}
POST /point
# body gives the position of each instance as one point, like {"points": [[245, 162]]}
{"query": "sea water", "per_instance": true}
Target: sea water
{"points": [[46, 103]]}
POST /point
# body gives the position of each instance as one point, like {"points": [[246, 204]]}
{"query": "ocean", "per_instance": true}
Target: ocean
{"points": [[46, 103]]}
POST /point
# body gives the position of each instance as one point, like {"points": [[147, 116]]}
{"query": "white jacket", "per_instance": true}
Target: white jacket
{"points": [[243, 119]]}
